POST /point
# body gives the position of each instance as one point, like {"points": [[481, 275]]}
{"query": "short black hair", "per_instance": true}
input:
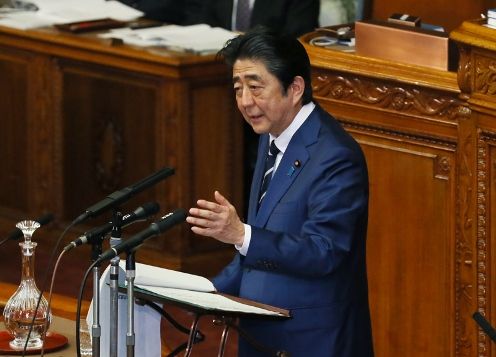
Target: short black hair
{"points": [[283, 56]]}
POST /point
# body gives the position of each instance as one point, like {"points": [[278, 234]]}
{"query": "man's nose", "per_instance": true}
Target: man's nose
{"points": [[246, 98]]}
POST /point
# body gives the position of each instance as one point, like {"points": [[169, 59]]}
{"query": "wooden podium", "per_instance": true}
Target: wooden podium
{"points": [[429, 137]]}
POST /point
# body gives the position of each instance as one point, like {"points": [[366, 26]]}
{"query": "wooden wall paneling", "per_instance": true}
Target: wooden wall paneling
{"points": [[477, 78], [388, 103], [480, 76], [465, 256], [54, 196], [171, 121], [136, 122], [195, 136], [217, 168], [14, 99], [108, 132], [488, 276], [28, 152], [41, 131], [486, 202], [217, 143], [409, 247], [410, 240]]}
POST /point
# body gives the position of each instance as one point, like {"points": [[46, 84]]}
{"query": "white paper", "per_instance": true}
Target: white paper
{"points": [[149, 275], [200, 39], [52, 12], [209, 300], [24, 21], [189, 288]]}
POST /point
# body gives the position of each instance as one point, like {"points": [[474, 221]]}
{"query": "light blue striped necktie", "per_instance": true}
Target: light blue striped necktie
{"points": [[269, 170]]}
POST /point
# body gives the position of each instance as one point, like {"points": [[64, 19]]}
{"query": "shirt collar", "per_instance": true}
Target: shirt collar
{"points": [[282, 141]]}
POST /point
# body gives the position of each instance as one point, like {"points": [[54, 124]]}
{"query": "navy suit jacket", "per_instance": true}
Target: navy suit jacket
{"points": [[293, 17], [307, 250]]}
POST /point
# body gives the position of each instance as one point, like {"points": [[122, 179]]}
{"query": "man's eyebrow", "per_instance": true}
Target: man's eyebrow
{"points": [[254, 77]]}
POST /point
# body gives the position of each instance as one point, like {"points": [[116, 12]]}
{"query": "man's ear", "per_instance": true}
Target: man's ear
{"points": [[298, 87]]}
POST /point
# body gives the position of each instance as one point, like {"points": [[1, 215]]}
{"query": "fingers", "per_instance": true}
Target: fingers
{"points": [[209, 218], [203, 222], [221, 199], [206, 232], [210, 206], [199, 223], [203, 213]]}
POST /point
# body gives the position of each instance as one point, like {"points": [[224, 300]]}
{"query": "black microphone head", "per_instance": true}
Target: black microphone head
{"points": [[45, 219], [171, 219], [167, 222], [146, 210], [118, 197], [42, 220]]}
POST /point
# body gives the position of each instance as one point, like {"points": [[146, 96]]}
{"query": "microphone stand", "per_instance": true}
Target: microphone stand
{"points": [[115, 239], [130, 275], [96, 250]]}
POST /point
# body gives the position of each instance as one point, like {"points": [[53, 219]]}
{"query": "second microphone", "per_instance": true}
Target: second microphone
{"points": [[139, 214]]}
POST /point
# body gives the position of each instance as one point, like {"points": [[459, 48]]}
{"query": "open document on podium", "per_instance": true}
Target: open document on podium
{"points": [[194, 290], [41, 13], [198, 39]]}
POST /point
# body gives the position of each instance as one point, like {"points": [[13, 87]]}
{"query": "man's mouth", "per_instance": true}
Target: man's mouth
{"points": [[255, 117]]}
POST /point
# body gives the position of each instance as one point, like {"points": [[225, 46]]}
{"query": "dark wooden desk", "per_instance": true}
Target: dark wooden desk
{"points": [[82, 118]]}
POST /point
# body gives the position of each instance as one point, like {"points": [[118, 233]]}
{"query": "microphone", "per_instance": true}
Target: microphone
{"points": [[485, 325], [167, 222], [16, 234], [139, 214], [118, 197]]}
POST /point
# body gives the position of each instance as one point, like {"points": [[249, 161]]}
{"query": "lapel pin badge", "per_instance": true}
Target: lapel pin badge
{"points": [[293, 168]]}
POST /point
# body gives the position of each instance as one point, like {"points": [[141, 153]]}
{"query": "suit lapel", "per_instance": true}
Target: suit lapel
{"points": [[292, 163], [283, 178]]}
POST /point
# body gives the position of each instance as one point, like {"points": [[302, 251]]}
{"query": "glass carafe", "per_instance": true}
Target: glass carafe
{"points": [[20, 309]]}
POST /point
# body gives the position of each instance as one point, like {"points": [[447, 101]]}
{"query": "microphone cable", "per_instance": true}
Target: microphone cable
{"points": [[79, 303], [50, 299], [4, 240], [43, 284]]}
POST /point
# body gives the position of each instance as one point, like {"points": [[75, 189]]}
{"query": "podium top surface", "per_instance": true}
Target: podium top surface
{"points": [[212, 303]]}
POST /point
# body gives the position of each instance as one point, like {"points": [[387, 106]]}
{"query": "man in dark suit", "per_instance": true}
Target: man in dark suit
{"points": [[168, 11], [303, 246], [292, 17]]}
